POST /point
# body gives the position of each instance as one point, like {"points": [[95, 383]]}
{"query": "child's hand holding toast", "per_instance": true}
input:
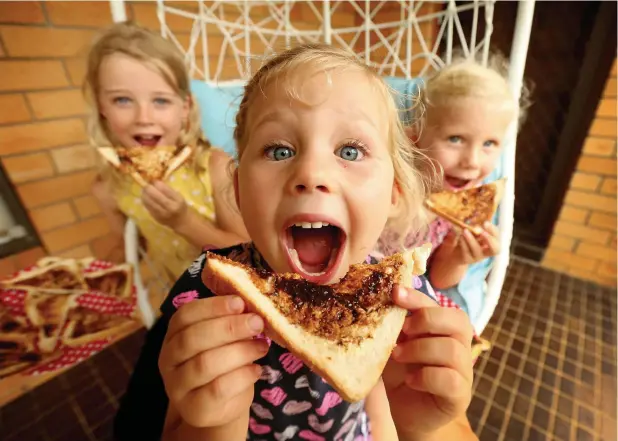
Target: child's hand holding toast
{"points": [[207, 360], [164, 204], [428, 380], [466, 248]]}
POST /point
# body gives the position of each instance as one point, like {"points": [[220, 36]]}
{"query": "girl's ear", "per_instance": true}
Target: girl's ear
{"points": [[186, 107], [236, 195], [395, 196]]}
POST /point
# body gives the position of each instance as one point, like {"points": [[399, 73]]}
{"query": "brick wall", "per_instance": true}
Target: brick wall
{"points": [[584, 238], [43, 140]]}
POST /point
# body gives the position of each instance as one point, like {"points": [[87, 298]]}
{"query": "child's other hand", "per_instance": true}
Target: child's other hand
{"points": [[164, 204], [206, 360], [428, 379], [466, 248]]}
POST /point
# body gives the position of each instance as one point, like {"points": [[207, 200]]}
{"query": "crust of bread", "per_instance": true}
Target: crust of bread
{"points": [[46, 265], [32, 306], [111, 156], [177, 161], [479, 346], [352, 370], [124, 268], [14, 368], [68, 340], [459, 224]]}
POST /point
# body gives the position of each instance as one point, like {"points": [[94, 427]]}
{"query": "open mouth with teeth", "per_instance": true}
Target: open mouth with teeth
{"points": [[147, 140], [314, 249], [456, 183]]}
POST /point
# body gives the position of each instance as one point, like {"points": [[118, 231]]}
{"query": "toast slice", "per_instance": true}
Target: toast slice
{"points": [[86, 325], [17, 343], [116, 281], [146, 164], [345, 332], [51, 275], [470, 208], [48, 312]]}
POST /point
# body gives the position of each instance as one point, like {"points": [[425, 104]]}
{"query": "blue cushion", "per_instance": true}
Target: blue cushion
{"points": [[218, 107], [405, 93]]}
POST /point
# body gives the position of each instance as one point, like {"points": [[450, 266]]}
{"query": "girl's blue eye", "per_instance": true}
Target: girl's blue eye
{"points": [[454, 139], [350, 153], [279, 153], [490, 143], [161, 101], [121, 100]]}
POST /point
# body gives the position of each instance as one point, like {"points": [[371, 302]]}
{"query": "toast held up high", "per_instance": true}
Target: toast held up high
{"points": [[344, 332], [470, 208]]}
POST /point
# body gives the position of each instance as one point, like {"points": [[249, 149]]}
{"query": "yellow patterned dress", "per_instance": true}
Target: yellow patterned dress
{"points": [[169, 253]]}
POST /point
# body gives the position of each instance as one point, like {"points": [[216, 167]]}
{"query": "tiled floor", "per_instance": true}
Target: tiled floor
{"points": [[551, 374]]}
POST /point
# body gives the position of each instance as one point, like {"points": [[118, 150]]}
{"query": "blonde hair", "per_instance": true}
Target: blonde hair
{"points": [[159, 54], [411, 183], [465, 77]]}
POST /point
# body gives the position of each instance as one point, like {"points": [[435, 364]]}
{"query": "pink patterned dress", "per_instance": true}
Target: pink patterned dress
{"points": [[388, 244]]}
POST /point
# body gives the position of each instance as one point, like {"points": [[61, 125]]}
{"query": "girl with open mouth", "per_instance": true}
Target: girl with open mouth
{"points": [[324, 166]]}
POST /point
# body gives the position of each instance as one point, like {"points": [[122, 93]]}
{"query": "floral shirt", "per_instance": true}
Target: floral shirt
{"points": [[435, 234]]}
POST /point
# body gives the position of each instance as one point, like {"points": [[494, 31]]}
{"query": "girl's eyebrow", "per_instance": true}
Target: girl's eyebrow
{"points": [[110, 91], [114, 91]]}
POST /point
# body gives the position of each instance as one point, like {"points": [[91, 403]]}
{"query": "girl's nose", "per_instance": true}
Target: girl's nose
{"points": [[144, 114], [311, 175], [471, 158]]}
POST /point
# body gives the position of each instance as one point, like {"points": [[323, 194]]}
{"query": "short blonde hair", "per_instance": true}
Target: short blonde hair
{"points": [[412, 184], [158, 53], [467, 78]]}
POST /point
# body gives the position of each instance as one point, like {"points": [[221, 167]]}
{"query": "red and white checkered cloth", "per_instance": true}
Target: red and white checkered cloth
{"points": [[14, 300]]}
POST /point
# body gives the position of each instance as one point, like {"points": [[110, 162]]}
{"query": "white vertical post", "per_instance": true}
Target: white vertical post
{"points": [[205, 51], [489, 29], [247, 37], [161, 17], [409, 12], [519, 53], [286, 22], [327, 30], [450, 13], [119, 13], [475, 19], [367, 28]]}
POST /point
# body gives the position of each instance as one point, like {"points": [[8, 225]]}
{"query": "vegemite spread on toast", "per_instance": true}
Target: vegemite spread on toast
{"points": [[53, 278], [343, 312], [482, 199], [110, 283]]}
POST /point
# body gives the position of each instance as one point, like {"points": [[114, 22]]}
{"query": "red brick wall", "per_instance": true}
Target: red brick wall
{"points": [[43, 140], [584, 238]]}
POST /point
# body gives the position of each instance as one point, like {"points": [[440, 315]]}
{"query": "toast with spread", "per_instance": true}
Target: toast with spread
{"points": [[17, 343], [469, 208], [345, 332], [146, 164], [50, 275], [116, 281]]}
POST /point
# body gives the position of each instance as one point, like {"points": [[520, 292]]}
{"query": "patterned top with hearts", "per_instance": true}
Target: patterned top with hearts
{"points": [[291, 402]]}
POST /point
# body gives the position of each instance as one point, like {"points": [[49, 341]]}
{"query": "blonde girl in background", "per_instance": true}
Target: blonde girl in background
{"points": [[319, 142], [139, 89], [468, 109]]}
